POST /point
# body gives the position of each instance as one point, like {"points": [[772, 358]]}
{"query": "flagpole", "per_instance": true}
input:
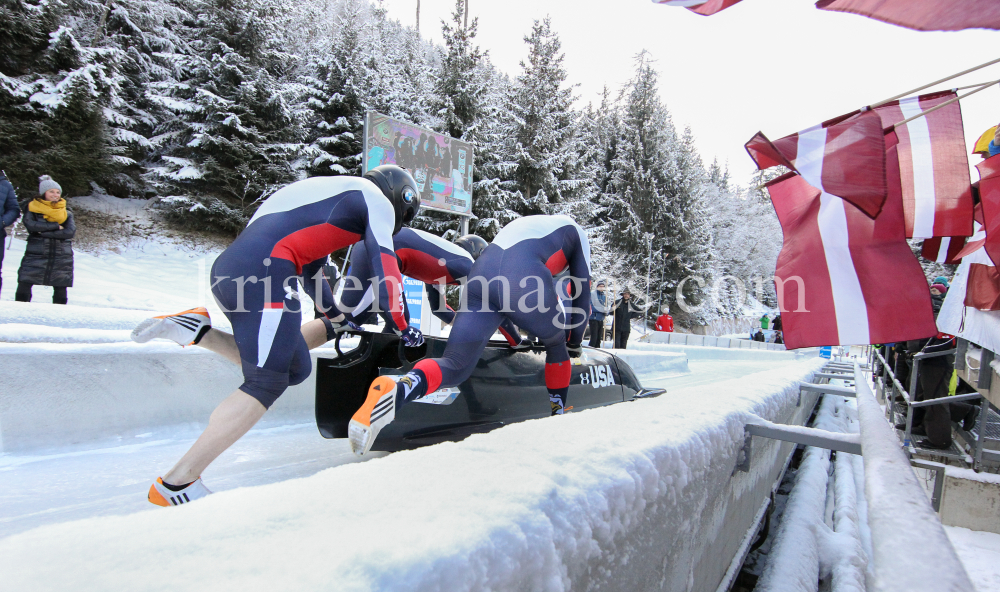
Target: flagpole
{"points": [[945, 104], [936, 82]]}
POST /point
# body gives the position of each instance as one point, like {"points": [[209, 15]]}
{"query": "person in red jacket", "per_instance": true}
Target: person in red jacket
{"points": [[665, 322]]}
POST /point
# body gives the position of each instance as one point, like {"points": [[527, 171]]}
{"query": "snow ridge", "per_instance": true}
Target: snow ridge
{"points": [[614, 498]]}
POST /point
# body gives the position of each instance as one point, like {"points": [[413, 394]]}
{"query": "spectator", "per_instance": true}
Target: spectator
{"points": [[48, 256], [937, 297], [9, 213], [764, 322], [988, 143], [624, 313], [759, 336], [776, 325], [665, 322], [777, 337], [599, 310]]}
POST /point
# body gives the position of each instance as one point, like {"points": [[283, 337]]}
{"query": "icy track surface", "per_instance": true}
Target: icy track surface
{"points": [[528, 507]]}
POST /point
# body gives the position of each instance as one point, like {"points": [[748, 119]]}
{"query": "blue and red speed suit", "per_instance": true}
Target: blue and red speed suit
{"points": [[422, 256], [256, 279], [513, 279]]}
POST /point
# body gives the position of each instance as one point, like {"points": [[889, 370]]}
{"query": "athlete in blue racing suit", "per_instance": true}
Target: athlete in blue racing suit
{"points": [[255, 281], [424, 257], [513, 279]]}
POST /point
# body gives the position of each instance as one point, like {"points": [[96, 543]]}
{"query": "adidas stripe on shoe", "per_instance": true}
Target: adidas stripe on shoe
{"points": [[184, 328], [378, 411], [161, 496]]}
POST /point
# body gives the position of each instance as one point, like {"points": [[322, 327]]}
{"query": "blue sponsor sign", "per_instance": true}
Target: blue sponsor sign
{"points": [[826, 351], [413, 291]]}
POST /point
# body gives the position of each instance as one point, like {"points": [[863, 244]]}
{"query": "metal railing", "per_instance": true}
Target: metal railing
{"points": [[888, 388]]}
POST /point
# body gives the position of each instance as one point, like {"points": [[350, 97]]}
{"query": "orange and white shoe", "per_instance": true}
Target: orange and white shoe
{"points": [[378, 411], [185, 328], [161, 496]]}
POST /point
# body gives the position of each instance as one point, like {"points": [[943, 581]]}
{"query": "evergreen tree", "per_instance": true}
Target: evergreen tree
{"points": [[52, 92], [544, 124], [461, 82]]}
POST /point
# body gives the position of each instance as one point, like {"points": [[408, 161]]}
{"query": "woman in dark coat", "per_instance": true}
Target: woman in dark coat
{"points": [[48, 256]]}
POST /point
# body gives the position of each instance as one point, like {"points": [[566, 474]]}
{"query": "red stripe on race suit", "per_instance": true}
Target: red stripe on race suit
{"points": [[394, 286], [557, 262], [508, 336], [432, 371], [273, 305], [312, 243], [423, 267], [557, 375]]}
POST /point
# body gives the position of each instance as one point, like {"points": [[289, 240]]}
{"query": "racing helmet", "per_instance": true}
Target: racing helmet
{"points": [[475, 245], [400, 189]]}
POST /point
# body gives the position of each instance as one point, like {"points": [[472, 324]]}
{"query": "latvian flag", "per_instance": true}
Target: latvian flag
{"points": [[928, 166], [843, 278], [844, 157], [983, 287], [924, 15], [943, 249], [700, 6]]}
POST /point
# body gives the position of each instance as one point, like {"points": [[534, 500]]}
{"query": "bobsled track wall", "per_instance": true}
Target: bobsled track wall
{"points": [[636, 496], [58, 394]]}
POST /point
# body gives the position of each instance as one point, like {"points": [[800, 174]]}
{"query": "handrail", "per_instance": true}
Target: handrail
{"points": [[943, 400], [898, 509], [923, 355]]}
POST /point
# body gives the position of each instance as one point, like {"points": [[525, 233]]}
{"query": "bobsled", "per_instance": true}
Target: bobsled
{"points": [[506, 387]]}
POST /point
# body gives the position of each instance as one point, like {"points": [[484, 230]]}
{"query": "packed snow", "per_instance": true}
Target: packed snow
{"points": [[980, 554]]}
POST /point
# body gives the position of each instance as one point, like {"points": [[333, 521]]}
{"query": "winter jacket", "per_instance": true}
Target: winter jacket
{"points": [[598, 305], [624, 313], [759, 336], [776, 325], [665, 322], [763, 322], [9, 211], [48, 255]]}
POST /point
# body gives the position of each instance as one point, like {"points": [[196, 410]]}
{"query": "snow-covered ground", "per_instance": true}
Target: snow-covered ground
{"points": [[980, 554]]}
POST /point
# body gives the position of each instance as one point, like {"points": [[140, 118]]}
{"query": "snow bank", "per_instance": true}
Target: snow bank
{"points": [[696, 352], [629, 497], [980, 554], [21, 333], [653, 362], [89, 392]]}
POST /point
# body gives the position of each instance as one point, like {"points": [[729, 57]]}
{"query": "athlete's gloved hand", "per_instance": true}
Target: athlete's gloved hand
{"points": [[575, 349], [412, 337], [333, 328]]}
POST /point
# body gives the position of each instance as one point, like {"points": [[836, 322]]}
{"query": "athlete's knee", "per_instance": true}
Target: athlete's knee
{"points": [[300, 369], [264, 385]]}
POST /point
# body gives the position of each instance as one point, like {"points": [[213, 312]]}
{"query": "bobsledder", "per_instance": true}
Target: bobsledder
{"points": [[506, 387]]}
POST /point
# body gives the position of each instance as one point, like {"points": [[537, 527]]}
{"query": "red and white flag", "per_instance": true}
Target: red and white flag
{"points": [[844, 157], [700, 6], [924, 15], [989, 198], [843, 278], [928, 166], [943, 249]]}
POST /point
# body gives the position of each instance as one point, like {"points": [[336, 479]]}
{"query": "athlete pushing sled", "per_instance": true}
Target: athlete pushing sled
{"points": [[529, 250], [255, 281], [426, 258]]}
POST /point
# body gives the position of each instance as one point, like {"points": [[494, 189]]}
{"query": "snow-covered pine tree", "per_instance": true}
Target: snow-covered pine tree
{"points": [[339, 94], [52, 91], [461, 84], [238, 137], [542, 106]]}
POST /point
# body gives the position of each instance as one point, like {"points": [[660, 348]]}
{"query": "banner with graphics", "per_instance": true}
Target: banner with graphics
{"points": [[441, 165]]}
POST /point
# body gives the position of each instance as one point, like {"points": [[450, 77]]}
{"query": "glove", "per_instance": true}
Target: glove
{"points": [[412, 337], [575, 349], [335, 328]]}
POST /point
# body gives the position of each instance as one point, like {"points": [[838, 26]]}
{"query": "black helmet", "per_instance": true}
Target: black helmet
{"points": [[475, 245], [398, 185]]}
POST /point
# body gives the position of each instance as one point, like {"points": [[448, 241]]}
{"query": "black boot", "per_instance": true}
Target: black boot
{"points": [[931, 445], [970, 419]]}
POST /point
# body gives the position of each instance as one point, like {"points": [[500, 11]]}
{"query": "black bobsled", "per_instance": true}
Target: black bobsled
{"points": [[506, 387]]}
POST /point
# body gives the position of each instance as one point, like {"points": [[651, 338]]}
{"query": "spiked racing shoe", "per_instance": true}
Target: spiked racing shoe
{"points": [[184, 328], [378, 411], [160, 495]]}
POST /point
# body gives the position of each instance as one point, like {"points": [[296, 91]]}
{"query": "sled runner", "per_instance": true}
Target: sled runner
{"points": [[506, 387]]}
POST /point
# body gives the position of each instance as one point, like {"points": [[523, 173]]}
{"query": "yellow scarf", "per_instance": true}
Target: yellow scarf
{"points": [[53, 211]]}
